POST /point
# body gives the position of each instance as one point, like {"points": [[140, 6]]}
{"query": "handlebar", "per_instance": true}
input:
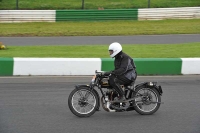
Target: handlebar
{"points": [[99, 72]]}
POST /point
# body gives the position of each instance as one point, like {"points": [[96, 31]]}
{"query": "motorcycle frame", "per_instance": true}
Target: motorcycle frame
{"points": [[96, 84]]}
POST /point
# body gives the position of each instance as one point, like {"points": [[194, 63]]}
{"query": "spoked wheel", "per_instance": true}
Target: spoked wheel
{"points": [[147, 101], [83, 102]]}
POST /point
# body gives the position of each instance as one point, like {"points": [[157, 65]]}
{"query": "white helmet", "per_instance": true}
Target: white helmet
{"points": [[116, 48]]}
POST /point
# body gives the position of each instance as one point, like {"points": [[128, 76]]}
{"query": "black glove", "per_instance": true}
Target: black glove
{"points": [[107, 73]]}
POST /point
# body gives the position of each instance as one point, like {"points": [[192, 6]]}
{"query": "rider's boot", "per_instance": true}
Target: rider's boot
{"points": [[121, 99]]}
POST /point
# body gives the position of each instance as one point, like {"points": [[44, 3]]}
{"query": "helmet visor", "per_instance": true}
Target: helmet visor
{"points": [[110, 52]]}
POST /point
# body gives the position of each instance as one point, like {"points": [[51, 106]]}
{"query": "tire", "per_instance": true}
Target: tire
{"points": [[83, 102], [149, 101]]}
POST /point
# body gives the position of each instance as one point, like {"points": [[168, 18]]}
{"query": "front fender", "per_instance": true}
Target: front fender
{"points": [[79, 86], [88, 86], [150, 85]]}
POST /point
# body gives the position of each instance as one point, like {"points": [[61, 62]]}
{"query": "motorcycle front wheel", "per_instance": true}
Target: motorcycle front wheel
{"points": [[83, 102], [147, 100]]}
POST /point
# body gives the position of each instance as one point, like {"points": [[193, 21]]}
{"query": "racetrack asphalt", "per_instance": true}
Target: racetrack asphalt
{"points": [[38, 104], [94, 40]]}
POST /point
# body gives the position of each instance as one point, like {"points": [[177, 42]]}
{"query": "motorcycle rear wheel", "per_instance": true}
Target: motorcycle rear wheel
{"points": [[83, 102], [148, 100]]}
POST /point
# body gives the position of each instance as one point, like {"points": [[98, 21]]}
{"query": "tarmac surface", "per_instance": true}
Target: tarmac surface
{"points": [[94, 40], [38, 104]]}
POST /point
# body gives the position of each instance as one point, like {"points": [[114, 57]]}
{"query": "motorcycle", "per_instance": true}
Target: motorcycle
{"points": [[84, 100]]}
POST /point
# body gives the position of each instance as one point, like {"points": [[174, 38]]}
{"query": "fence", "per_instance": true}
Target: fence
{"points": [[169, 13], [7, 16], [93, 4], [82, 15], [10, 16]]}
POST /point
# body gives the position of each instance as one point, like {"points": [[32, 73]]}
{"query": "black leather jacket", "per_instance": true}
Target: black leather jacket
{"points": [[124, 65]]}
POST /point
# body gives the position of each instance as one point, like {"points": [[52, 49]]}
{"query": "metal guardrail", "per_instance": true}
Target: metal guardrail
{"points": [[10, 16], [169, 13], [86, 15]]}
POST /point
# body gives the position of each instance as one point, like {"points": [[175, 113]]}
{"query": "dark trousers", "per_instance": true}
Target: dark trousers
{"points": [[116, 81]]}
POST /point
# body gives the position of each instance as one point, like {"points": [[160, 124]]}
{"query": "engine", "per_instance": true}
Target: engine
{"points": [[105, 83], [111, 94]]}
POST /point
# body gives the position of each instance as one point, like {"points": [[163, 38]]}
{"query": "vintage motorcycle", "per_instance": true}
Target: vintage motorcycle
{"points": [[84, 100]]}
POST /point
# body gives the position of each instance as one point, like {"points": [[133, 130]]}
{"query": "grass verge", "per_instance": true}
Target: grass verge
{"points": [[103, 28], [100, 51]]}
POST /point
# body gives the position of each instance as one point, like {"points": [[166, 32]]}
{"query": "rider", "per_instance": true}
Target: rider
{"points": [[124, 72]]}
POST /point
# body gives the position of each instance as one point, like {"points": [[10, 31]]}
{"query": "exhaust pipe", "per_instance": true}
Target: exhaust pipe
{"points": [[106, 106]]}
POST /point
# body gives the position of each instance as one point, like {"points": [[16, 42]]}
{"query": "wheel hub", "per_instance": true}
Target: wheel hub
{"points": [[82, 102], [147, 99]]}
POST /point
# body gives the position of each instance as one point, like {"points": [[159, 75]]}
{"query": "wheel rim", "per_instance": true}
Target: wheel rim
{"points": [[147, 100], [83, 101]]}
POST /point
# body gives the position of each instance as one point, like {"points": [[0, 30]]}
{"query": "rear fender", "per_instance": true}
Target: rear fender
{"points": [[150, 85]]}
